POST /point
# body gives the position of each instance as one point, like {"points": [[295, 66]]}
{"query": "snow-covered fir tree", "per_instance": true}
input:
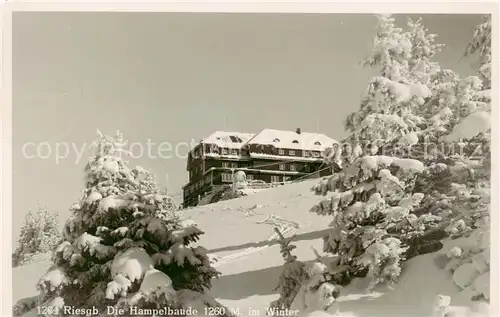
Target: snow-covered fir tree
{"points": [[291, 278], [125, 247], [481, 43], [393, 111], [457, 179], [465, 180], [390, 204], [371, 201], [39, 234], [389, 110]]}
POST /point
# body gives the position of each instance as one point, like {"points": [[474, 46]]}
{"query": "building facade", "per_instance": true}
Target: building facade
{"points": [[272, 156]]}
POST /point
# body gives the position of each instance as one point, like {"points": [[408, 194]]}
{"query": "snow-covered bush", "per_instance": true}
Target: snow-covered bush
{"points": [[317, 293], [383, 259], [125, 247], [468, 261], [39, 234], [302, 287]]}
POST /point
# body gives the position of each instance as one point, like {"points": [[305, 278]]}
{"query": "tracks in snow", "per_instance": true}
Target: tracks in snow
{"points": [[284, 226]]}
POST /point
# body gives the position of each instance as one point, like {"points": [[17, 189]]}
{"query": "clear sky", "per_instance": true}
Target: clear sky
{"points": [[175, 77]]}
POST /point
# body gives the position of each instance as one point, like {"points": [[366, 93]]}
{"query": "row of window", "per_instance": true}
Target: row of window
{"points": [[293, 167], [225, 151], [306, 153], [227, 177], [283, 167], [276, 140], [194, 187], [197, 169], [229, 164]]}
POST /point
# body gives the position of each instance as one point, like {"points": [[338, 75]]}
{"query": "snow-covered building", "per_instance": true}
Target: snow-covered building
{"points": [[272, 156]]}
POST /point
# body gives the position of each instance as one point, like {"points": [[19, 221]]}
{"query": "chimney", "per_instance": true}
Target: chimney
{"points": [[298, 130]]}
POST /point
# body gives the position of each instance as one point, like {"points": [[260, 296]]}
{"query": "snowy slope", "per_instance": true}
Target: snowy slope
{"points": [[238, 219], [243, 242], [24, 278]]}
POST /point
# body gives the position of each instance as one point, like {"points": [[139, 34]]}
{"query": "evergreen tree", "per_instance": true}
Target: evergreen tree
{"points": [[481, 43], [374, 201], [391, 205], [291, 278], [459, 183], [389, 110], [124, 248], [302, 288], [423, 48], [372, 204], [39, 234]]}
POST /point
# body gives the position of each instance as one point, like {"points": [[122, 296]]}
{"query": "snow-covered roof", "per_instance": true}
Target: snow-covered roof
{"points": [[232, 140], [292, 140]]}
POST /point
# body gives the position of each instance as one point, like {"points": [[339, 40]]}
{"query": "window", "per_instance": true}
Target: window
{"points": [[292, 167], [224, 151], [213, 148], [282, 167], [227, 177], [306, 153], [291, 152], [276, 140], [234, 165], [234, 152], [317, 143], [250, 177], [295, 141], [307, 168], [275, 179], [235, 139], [316, 154], [281, 152], [226, 164], [207, 179]]}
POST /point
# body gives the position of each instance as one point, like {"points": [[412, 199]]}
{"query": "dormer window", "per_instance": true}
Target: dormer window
{"points": [[317, 143], [276, 140], [295, 141], [235, 139]]}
